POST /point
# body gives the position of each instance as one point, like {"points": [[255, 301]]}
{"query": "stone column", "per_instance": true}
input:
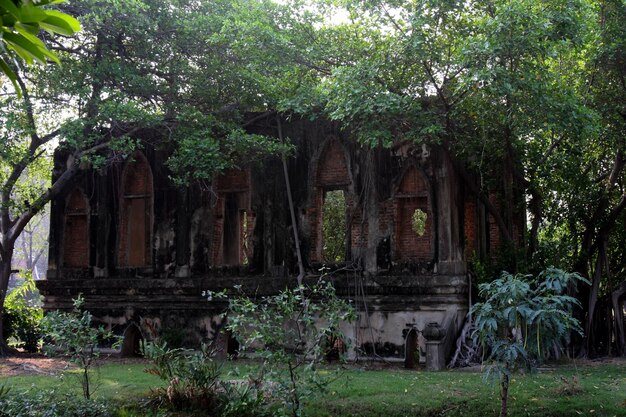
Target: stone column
{"points": [[435, 355]]}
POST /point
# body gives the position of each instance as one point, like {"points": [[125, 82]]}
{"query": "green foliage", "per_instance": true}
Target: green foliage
{"points": [[192, 376], [418, 222], [247, 400], [20, 24], [22, 316], [289, 333], [206, 146], [193, 383], [47, 403], [74, 333], [334, 226], [522, 318]]}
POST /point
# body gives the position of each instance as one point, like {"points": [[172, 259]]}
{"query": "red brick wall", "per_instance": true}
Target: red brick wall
{"points": [[137, 178], [135, 215], [232, 180], [332, 167], [494, 230], [359, 230], [410, 246], [412, 182], [470, 228], [76, 234], [412, 194]]}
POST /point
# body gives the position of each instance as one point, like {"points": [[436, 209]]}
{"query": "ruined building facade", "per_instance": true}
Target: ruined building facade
{"points": [[142, 250]]}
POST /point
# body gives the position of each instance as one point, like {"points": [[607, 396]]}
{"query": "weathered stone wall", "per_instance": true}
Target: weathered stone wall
{"points": [[142, 250]]}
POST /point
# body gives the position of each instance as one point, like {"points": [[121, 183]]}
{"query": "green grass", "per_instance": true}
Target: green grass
{"points": [[111, 381], [399, 392], [409, 393]]}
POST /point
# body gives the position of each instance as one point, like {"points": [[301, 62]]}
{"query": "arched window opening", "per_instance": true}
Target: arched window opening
{"points": [[413, 217], [136, 213], [76, 234], [332, 179], [235, 219]]}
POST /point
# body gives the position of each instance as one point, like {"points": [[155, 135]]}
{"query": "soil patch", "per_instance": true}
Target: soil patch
{"points": [[35, 364]]}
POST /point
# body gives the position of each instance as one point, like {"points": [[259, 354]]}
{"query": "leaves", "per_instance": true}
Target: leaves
{"points": [[291, 332], [523, 315], [19, 27]]}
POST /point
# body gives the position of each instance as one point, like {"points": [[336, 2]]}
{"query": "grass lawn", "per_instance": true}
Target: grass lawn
{"points": [[600, 391]]}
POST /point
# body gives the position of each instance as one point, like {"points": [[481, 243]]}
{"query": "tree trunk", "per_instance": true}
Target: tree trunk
{"points": [[86, 388], [504, 395], [5, 274], [593, 299], [618, 315]]}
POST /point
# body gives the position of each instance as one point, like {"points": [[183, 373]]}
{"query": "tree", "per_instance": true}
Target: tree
{"points": [[20, 25], [521, 320]]}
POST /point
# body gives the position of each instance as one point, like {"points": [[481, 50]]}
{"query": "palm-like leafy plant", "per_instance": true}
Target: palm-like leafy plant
{"points": [[522, 318]]}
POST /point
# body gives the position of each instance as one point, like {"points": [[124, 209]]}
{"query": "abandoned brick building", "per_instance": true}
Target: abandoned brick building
{"points": [[142, 250]]}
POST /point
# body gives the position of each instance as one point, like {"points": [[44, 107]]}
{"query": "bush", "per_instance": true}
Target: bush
{"points": [[192, 377], [49, 404], [290, 332], [246, 400], [74, 333], [22, 316]]}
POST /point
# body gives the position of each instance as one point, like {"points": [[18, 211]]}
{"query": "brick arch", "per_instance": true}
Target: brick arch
{"points": [[332, 166], [331, 172], [137, 176], [76, 232], [413, 181], [413, 193], [135, 225]]}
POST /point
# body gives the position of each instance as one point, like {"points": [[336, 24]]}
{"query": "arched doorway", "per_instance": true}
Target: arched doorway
{"points": [[131, 344], [411, 350]]}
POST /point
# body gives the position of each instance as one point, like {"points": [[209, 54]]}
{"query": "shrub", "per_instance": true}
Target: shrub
{"points": [[290, 332], [22, 316], [192, 377], [74, 333], [50, 404], [246, 400]]}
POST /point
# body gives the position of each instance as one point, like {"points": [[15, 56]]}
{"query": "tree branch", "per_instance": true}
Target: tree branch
{"points": [[28, 105]]}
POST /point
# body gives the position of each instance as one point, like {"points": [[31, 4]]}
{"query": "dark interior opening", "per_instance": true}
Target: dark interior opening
{"points": [[131, 345], [411, 350], [231, 243]]}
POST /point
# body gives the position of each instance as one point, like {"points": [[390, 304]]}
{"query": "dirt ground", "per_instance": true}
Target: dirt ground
{"points": [[36, 364]]}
